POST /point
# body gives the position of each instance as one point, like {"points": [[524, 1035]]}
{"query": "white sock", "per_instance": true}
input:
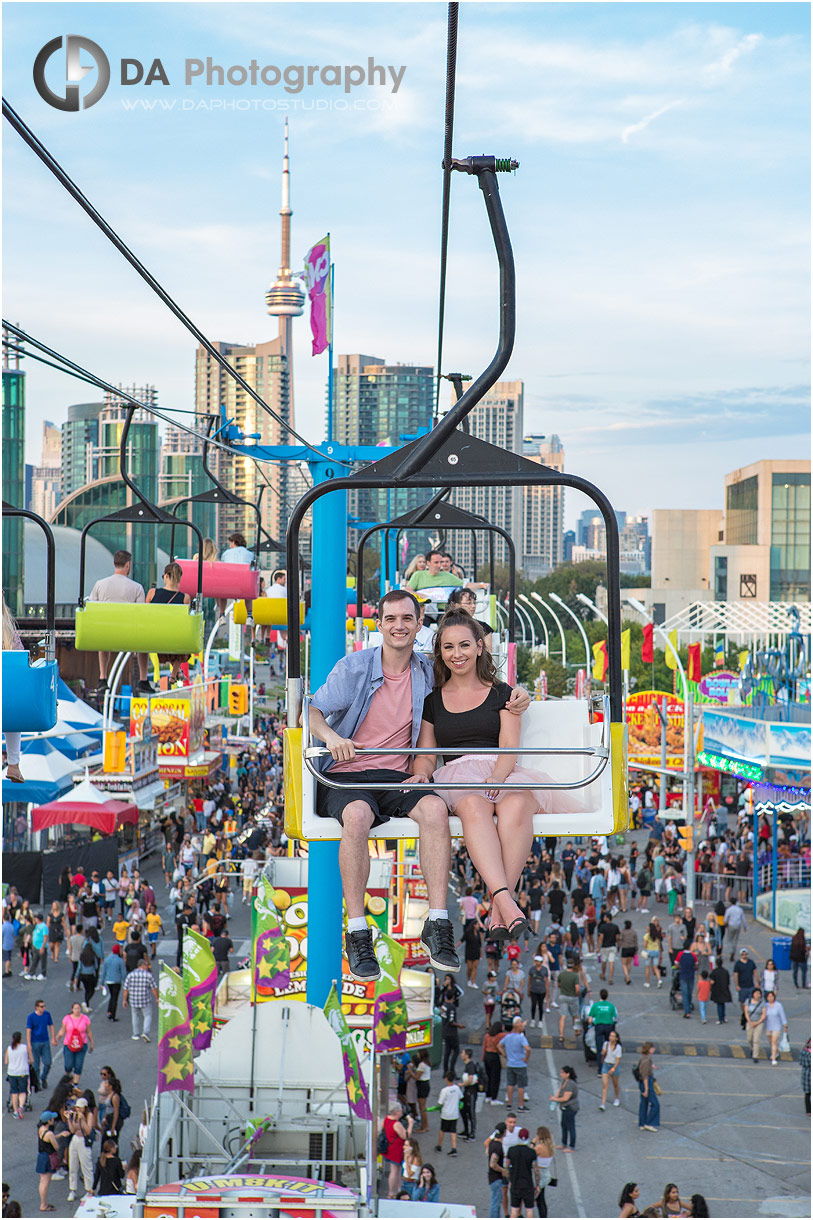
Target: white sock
{"points": [[357, 925], [437, 913]]}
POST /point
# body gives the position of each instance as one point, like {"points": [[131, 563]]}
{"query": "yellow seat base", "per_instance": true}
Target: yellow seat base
{"points": [[267, 612]]}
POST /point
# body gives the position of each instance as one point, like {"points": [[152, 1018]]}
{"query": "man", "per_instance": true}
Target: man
{"points": [[222, 946], [734, 923], [687, 966], [449, 1099], [658, 867], [745, 972], [110, 887], [250, 868], [39, 944], [470, 1080], [119, 588], [497, 1170], [556, 902], [603, 1016], [598, 887], [40, 1037], [237, 551], [279, 584], [449, 1035], [113, 974], [570, 981], [607, 944], [374, 698], [675, 938], [538, 982], [515, 1051], [425, 639], [523, 1175], [433, 575], [139, 991], [568, 859], [135, 952]]}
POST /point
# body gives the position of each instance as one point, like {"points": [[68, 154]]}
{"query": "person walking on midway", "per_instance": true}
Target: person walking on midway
{"points": [[734, 923], [395, 1134], [449, 1098], [523, 1176], [515, 1051], [720, 991], [799, 953], [610, 1069], [470, 1080], [497, 1169], [775, 1023], [804, 1063], [17, 1063], [113, 974], [603, 1016], [40, 1037], [754, 1021], [567, 1095], [139, 990], [649, 1108], [628, 941]]}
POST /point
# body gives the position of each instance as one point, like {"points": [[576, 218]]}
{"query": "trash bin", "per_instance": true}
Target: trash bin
{"points": [[780, 951]]}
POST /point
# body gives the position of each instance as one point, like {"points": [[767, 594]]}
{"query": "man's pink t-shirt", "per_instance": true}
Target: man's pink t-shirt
{"points": [[387, 725]]}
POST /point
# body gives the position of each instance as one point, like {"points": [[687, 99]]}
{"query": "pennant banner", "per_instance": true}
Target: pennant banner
{"points": [[319, 282], [719, 654], [390, 1018], [671, 662], [625, 648], [176, 1070], [200, 985], [357, 1096], [270, 952], [648, 647], [600, 661], [694, 669]]}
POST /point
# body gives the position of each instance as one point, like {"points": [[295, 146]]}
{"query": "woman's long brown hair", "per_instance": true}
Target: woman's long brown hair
{"points": [[486, 670]]}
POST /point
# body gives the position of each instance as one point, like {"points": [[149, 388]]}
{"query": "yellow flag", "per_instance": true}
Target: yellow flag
{"points": [[625, 649], [671, 663], [742, 658], [600, 661]]}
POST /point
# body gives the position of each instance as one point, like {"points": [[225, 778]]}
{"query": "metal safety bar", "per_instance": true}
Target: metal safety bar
{"points": [[601, 752], [9, 510]]}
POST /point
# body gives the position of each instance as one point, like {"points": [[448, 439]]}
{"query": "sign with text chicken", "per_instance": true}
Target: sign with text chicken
{"points": [[645, 728], [177, 722]]}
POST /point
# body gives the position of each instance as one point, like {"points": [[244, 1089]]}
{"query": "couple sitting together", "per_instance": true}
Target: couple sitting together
{"points": [[392, 698]]}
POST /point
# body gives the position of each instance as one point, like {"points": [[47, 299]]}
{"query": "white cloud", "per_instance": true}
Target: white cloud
{"points": [[634, 128]]}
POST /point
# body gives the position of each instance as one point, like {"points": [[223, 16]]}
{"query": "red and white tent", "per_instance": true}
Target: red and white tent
{"points": [[86, 805]]}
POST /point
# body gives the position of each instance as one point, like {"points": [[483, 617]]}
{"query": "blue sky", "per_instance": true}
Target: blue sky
{"points": [[659, 217]]}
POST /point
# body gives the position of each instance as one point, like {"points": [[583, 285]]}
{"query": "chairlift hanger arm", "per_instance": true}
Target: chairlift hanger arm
{"points": [[9, 510]]}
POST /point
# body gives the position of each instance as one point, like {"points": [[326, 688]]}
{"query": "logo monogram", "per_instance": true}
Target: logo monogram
{"points": [[74, 72]]}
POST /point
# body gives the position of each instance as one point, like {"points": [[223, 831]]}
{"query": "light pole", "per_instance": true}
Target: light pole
{"points": [[531, 606], [558, 623], [556, 598], [524, 615], [592, 606]]}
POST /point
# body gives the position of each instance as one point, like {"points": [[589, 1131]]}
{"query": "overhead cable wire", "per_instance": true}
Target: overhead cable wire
{"points": [[451, 69], [51, 163]]}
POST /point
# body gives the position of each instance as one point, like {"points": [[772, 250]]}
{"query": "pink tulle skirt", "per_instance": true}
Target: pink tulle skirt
{"points": [[476, 768]]}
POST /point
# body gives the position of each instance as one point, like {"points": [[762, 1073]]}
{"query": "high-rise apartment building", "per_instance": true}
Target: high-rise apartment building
{"points": [[542, 510], [79, 439], [13, 465], [46, 479], [378, 403], [498, 419], [182, 476]]}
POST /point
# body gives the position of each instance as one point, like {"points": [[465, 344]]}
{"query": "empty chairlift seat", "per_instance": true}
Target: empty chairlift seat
{"points": [[29, 693], [267, 612], [599, 807], [229, 580], [129, 627]]}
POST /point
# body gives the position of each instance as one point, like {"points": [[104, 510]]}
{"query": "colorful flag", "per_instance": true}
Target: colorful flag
{"points": [[694, 667], [671, 662], [200, 985], [176, 1070], [648, 647], [320, 291], [719, 655], [625, 648], [390, 1012], [600, 661], [742, 659], [357, 1096], [270, 952]]}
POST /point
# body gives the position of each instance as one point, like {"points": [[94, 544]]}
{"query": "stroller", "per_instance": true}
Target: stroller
{"points": [[510, 1007], [675, 997], [589, 1043]]}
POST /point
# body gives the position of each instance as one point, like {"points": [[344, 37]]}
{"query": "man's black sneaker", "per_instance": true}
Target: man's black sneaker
{"points": [[438, 938], [360, 956], [145, 688]]}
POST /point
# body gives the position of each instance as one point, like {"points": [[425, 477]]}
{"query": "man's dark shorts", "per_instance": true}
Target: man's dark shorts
{"points": [[331, 803]]}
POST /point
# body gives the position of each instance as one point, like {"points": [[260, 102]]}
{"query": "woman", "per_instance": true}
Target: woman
{"points": [[492, 1061], [804, 1063], [411, 1086], [103, 1093], [775, 1022], [799, 952], [49, 1155], [411, 1168], [78, 1038], [90, 960], [652, 952], [170, 595], [628, 943], [131, 1172], [544, 1149], [71, 914], [12, 643], [698, 1206], [701, 948], [611, 1053], [124, 891], [671, 1204], [56, 930], [472, 938], [16, 1060], [770, 977], [466, 599], [627, 1200], [467, 708], [567, 1095], [418, 564], [108, 1178], [423, 1072], [114, 1119], [649, 1108], [82, 1127], [396, 1135], [720, 991], [427, 1189], [755, 1015]]}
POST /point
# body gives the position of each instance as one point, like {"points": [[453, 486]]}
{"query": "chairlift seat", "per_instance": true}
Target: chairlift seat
{"points": [[229, 580], [267, 612], [138, 627], [29, 693], [600, 808]]}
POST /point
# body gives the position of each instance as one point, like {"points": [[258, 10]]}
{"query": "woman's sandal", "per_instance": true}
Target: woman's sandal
{"points": [[498, 931], [520, 925]]}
